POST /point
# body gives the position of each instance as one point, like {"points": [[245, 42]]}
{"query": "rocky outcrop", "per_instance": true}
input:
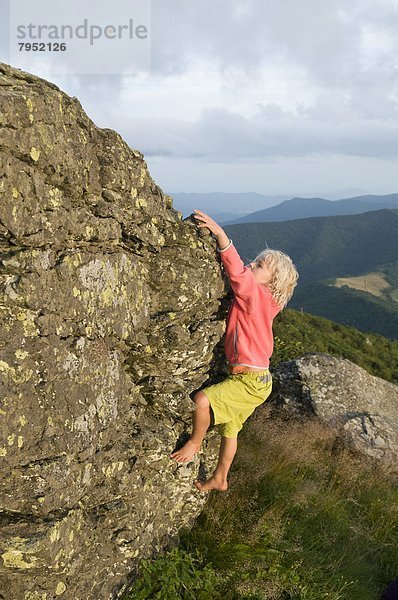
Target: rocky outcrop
{"points": [[345, 396], [110, 312]]}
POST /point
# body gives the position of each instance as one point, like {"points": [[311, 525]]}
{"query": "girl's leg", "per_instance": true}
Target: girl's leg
{"points": [[201, 422], [218, 481]]}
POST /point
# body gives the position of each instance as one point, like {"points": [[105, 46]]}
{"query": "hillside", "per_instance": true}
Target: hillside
{"points": [[335, 256], [301, 208], [324, 247], [297, 332], [362, 310]]}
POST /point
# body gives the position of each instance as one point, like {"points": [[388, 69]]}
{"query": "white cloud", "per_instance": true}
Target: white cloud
{"points": [[259, 80], [219, 133], [264, 78]]}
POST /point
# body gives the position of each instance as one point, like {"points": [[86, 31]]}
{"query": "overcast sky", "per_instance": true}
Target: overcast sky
{"points": [[269, 96]]}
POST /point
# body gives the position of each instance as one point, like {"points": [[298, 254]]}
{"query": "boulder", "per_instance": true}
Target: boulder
{"points": [[111, 314], [345, 396]]}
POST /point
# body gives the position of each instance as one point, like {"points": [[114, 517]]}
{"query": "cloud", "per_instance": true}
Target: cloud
{"points": [[309, 34], [219, 134], [234, 81], [294, 79]]}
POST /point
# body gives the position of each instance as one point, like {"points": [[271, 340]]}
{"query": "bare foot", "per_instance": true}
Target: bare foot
{"points": [[187, 452], [211, 484]]}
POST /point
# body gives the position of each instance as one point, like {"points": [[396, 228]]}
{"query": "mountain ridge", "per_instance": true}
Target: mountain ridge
{"points": [[301, 208]]}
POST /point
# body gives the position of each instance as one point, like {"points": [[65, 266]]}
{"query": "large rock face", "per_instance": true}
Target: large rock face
{"points": [[345, 396], [110, 312]]}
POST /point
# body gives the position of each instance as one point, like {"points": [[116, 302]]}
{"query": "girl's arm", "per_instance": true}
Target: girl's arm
{"points": [[242, 281]]}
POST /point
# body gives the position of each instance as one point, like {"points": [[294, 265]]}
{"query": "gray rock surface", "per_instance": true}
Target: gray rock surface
{"points": [[110, 312], [344, 395]]}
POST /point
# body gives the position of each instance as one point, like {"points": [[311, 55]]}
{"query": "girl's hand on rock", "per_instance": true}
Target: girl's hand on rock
{"points": [[207, 222]]}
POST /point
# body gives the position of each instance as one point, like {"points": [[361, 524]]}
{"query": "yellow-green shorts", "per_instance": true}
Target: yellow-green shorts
{"points": [[235, 398]]}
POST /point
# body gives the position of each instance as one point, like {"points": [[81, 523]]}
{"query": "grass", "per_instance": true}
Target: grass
{"points": [[374, 283], [305, 518]]}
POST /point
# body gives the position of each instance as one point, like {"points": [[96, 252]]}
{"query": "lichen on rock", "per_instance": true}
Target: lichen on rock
{"points": [[110, 316]]}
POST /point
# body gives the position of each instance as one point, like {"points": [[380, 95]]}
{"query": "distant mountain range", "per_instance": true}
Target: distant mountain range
{"points": [[227, 206], [224, 206], [348, 265], [301, 208]]}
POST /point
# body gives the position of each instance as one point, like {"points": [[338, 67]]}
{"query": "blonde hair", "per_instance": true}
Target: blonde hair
{"points": [[284, 274]]}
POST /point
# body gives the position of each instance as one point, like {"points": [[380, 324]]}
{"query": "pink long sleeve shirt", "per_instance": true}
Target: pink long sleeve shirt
{"points": [[248, 339]]}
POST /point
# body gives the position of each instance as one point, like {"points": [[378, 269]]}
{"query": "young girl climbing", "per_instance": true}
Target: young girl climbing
{"points": [[261, 290]]}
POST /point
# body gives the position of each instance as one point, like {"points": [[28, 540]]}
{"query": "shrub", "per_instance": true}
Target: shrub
{"points": [[176, 575]]}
